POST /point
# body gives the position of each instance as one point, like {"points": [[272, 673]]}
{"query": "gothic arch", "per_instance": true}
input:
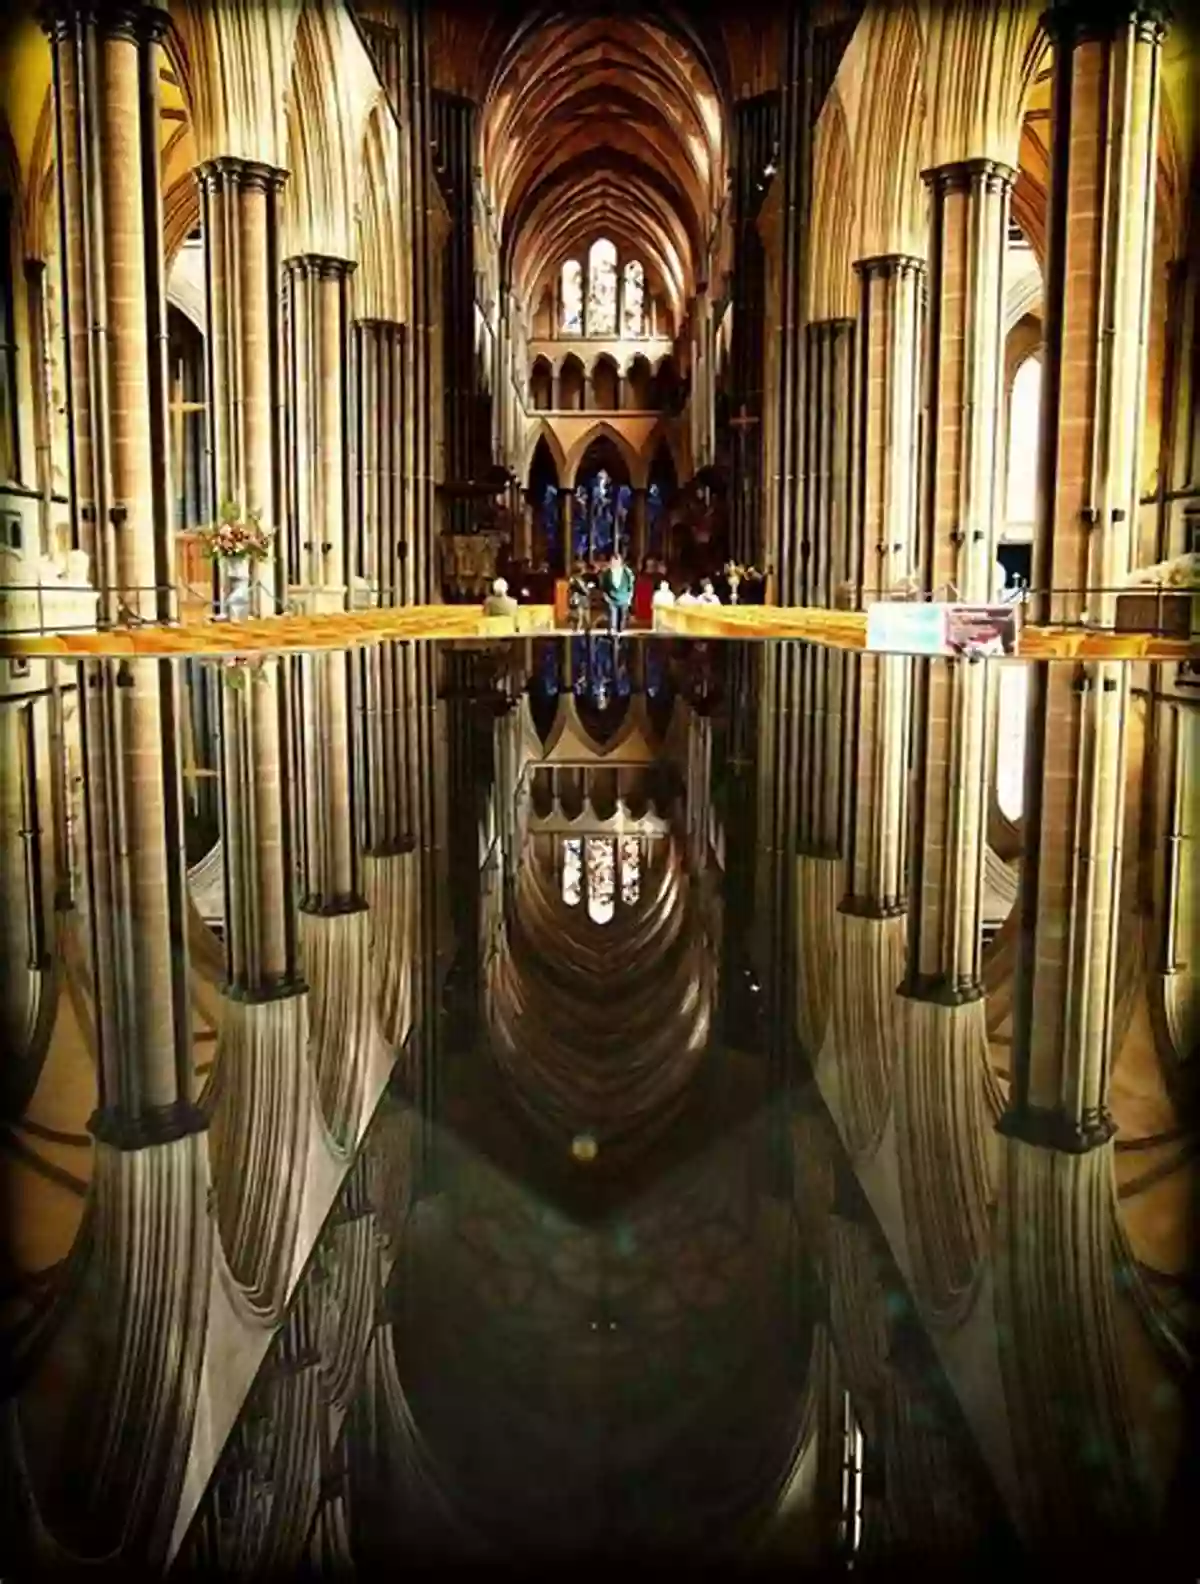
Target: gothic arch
{"points": [[543, 434], [979, 67], [831, 284], [334, 89], [235, 63], [380, 280], [602, 429], [887, 142]]}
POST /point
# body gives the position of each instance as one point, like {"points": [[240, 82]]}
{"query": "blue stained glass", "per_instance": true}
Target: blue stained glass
{"points": [[550, 522]]}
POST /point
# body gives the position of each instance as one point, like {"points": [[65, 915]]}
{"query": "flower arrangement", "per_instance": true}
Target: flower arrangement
{"points": [[741, 574], [235, 536]]}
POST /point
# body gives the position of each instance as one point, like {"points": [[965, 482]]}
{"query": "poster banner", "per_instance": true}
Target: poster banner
{"points": [[919, 627]]}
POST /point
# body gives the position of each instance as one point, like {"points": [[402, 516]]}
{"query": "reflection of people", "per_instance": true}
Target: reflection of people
{"points": [[616, 584], [500, 602]]}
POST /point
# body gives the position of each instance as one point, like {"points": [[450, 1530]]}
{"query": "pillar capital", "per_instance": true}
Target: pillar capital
{"points": [[232, 171], [881, 266], [988, 175], [1073, 22], [1054, 1130], [321, 266]]}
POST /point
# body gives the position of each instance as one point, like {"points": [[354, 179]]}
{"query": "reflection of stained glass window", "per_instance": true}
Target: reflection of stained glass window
{"points": [[572, 297], [572, 875], [631, 869], [601, 879], [550, 522], [633, 299], [602, 288]]}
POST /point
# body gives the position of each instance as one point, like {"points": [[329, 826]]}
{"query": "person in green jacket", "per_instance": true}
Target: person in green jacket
{"points": [[616, 584]]}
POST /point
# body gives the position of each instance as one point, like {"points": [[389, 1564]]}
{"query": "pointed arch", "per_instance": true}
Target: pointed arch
{"points": [[887, 147], [602, 429], [543, 435], [831, 293], [333, 91], [235, 61], [381, 279]]}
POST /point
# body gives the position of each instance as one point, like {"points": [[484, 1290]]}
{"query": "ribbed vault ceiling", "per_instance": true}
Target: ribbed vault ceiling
{"points": [[608, 126]]}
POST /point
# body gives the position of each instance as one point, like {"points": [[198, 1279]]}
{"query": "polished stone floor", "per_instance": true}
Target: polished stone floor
{"points": [[651, 1248]]}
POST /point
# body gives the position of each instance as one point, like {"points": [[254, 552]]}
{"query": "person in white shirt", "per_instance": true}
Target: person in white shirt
{"points": [[664, 594], [708, 594], [686, 598]]}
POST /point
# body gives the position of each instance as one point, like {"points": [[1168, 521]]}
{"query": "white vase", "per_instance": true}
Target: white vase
{"points": [[235, 576]]}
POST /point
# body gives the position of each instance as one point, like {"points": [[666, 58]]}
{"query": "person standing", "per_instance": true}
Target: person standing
{"points": [[617, 585]]}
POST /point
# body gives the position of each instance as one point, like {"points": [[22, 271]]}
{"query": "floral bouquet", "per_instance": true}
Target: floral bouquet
{"points": [[236, 536]]}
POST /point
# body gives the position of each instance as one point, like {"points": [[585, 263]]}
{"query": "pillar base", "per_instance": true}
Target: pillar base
{"points": [[391, 849], [125, 1130], [873, 908], [937, 990], [1052, 1130], [333, 907], [281, 989], [817, 850]]}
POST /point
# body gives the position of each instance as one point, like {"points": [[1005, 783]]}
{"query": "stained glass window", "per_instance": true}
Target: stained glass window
{"points": [[602, 288], [633, 299], [655, 521], [551, 522], [601, 879], [572, 875], [631, 869], [572, 297]]}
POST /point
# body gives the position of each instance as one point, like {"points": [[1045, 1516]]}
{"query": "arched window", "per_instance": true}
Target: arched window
{"points": [[633, 299], [571, 322], [601, 879], [572, 874], [602, 288], [1011, 709], [1024, 410]]}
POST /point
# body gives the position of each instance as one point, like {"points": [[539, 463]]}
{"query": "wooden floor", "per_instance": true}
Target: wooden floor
{"points": [[344, 629]]}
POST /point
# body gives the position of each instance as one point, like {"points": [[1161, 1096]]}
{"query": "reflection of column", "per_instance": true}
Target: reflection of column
{"points": [[381, 408], [328, 845], [969, 226], [317, 406], [1105, 76], [106, 76]]}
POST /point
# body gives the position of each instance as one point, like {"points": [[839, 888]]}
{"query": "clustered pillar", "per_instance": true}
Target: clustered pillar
{"points": [[318, 345], [106, 62]]}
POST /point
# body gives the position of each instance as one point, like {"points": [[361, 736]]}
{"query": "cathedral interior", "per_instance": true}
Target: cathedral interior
{"points": [[483, 1093]]}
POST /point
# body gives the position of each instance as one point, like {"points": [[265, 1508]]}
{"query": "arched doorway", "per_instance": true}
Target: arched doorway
{"points": [[600, 516], [543, 494]]}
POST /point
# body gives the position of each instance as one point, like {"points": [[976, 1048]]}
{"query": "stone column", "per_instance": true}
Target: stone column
{"points": [[890, 329], [318, 430], [969, 227], [240, 214], [1104, 123], [106, 73], [637, 528], [566, 506], [827, 559], [380, 366]]}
